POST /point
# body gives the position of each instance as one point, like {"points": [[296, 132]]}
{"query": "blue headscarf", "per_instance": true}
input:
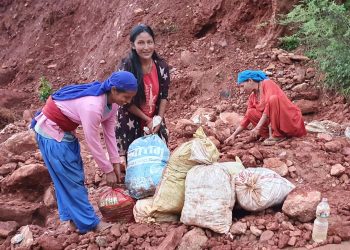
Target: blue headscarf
{"points": [[255, 75], [122, 80]]}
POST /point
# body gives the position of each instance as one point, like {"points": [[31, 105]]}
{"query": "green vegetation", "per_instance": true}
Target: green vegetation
{"points": [[323, 27], [289, 42], [45, 89]]}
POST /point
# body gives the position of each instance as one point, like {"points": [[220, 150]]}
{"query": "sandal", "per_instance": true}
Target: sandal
{"points": [[273, 140]]}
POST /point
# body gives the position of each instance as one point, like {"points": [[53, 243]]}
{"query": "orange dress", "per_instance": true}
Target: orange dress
{"points": [[284, 117]]}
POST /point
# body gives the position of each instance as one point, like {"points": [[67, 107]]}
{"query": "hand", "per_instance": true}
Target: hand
{"points": [[111, 179], [156, 129], [255, 133], [117, 171], [150, 125], [230, 139]]}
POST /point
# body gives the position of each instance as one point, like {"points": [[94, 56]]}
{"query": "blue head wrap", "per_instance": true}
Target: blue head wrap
{"points": [[255, 75], [122, 80]]}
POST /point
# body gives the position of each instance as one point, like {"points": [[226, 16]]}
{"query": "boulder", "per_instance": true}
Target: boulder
{"points": [[301, 204]]}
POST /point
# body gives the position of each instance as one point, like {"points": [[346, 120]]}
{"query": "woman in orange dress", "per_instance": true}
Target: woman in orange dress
{"points": [[270, 111]]}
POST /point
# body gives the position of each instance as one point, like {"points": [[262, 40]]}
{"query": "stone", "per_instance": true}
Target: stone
{"points": [[231, 119], [186, 58], [29, 176], [7, 168], [324, 137], [47, 242], [20, 142], [102, 61], [49, 198], [283, 241], [124, 239], [7, 228], [256, 231], [310, 73], [299, 57], [256, 153], [307, 106], [266, 235], [52, 66], [115, 230], [292, 169], [276, 165], [101, 241], [337, 239], [273, 226], [346, 151], [300, 75], [301, 204], [238, 228], [139, 230], [27, 115], [283, 58], [193, 240], [333, 146], [173, 239], [248, 160], [292, 241], [337, 170]]}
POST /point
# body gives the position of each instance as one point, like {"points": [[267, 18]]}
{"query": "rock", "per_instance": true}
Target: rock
{"points": [[301, 204], [307, 106], [20, 142], [256, 231], [124, 239], [193, 240], [238, 228], [266, 235], [92, 246], [248, 161], [337, 170], [102, 61], [231, 119], [223, 43], [7, 168], [324, 137], [292, 169], [256, 153], [7, 228], [339, 226], [139, 230], [172, 240], [283, 58], [49, 198], [29, 176], [115, 230], [333, 146], [22, 214], [47, 242], [346, 151], [310, 73], [186, 58], [101, 241], [292, 241], [344, 179], [283, 241], [300, 75], [273, 226], [138, 11], [276, 165], [299, 57], [336, 239], [300, 87], [27, 115]]}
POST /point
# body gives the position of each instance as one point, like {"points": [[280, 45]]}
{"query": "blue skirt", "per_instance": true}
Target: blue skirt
{"points": [[64, 163]]}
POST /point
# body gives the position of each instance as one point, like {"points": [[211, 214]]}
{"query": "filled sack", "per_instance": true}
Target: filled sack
{"points": [[116, 205], [147, 158], [261, 188], [210, 196], [170, 195]]}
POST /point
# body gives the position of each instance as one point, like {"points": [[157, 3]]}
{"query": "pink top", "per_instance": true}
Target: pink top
{"points": [[90, 112]]}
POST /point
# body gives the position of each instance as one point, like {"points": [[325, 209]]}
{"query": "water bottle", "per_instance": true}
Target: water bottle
{"points": [[320, 228]]}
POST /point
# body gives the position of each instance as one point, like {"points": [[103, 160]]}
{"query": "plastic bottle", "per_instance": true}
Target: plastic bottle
{"points": [[320, 228]]}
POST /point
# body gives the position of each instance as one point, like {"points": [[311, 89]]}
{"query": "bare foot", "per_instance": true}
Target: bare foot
{"points": [[66, 226]]}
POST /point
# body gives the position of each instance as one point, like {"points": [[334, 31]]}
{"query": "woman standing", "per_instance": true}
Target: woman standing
{"points": [[88, 105], [153, 80], [270, 111]]}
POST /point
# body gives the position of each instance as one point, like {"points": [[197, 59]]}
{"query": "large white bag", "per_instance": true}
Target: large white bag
{"points": [[260, 188], [210, 196]]}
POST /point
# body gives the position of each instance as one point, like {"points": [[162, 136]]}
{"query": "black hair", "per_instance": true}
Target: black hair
{"points": [[136, 67]]}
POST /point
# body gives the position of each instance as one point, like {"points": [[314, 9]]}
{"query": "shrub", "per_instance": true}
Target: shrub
{"points": [[323, 27], [45, 89]]}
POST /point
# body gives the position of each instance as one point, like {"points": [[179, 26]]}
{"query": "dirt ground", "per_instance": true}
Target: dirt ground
{"points": [[206, 43]]}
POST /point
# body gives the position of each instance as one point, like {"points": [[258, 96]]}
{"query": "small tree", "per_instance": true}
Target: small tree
{"points": [[323, 27], [45, 89]]}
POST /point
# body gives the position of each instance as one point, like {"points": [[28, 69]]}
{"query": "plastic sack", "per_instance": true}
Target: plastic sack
{"points": [[147, 158], [261, 188], [116, 205], [170, 194], [210, 196], [143, 213]]}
